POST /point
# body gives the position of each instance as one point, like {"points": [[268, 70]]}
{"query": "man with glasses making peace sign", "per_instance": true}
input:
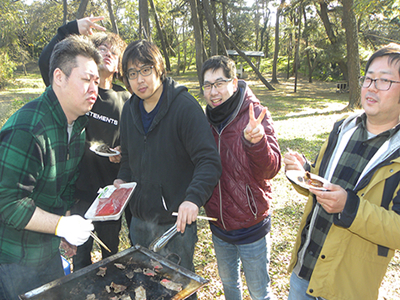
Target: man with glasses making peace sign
{"points": [[250, 156], [350, 230]]}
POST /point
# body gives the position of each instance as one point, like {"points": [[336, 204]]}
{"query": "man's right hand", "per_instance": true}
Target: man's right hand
{"points": [[74, 229], [85, 25]]}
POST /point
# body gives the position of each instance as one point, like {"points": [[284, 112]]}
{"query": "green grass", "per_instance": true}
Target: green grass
{"points": [[302, 121]]}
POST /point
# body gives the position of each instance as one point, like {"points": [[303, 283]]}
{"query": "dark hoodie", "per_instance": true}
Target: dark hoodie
{"points": [[176, 160]]}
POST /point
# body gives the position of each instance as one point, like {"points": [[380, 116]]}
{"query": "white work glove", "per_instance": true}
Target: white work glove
{"points": [[75, 229]]}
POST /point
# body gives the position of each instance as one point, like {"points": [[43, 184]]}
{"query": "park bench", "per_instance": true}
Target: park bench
{"points": [[342, 87]]}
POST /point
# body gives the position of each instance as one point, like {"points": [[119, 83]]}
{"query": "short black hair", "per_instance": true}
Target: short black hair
{"points": [[392, 51], [65, 53], [219, 62], [146, 53]]}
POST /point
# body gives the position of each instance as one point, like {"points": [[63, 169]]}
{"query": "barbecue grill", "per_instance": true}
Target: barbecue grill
{"points": [[85, 282]]}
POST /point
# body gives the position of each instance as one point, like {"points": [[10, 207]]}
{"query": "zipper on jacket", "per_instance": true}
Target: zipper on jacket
{"points": [[143, 160], [164, 203], [73, 137], [70, 139], [219, 184], [251, 199]]}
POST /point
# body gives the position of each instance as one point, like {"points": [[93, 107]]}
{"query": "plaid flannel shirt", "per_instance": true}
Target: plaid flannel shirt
{"points": [[359, 151], [38, 168]]}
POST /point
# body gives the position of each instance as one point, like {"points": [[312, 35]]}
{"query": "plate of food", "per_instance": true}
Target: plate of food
{"points": [[103, 150], [110, 203], [306, 179]]}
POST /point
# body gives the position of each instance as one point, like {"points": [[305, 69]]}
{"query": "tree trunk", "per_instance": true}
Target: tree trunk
{"points": [[190, 60], [290, 50], [184, 45], [198, 39], [308, 54], [297, 55], [167, 44], [112, 18], [65, 11], [264, 34], [353, 58], [81, 10], [144, 30], [257, 22], [309, 65], [244, 56], [221, 40], [225, 22], [200, 14], [161, 36], [211, 28], [179, 58], [323, 13], [276, 53]]}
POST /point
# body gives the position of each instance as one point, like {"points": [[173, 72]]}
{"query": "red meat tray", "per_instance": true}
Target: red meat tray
{"points": [[110, 203]]}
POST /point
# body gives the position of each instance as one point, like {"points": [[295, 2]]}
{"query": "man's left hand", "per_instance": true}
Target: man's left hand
{"points": [[333, 200], [187, 214], [116, 159]]}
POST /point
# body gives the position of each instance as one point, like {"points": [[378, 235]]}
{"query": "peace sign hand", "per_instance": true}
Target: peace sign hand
{"points": [[85, 25], [254, 130]]}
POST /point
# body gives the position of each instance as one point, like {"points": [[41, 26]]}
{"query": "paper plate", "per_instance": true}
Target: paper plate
{"points": [[298, 178], [93, 148]]}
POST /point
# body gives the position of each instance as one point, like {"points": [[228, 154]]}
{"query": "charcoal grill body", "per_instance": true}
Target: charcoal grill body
{"points": [[84, 282]]}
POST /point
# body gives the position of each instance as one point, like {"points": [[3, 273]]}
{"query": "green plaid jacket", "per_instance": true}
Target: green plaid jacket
{"points": [[38, 168]]}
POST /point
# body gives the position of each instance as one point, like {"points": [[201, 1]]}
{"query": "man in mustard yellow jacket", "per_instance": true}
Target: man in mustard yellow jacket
{"points": [[351, 228]]}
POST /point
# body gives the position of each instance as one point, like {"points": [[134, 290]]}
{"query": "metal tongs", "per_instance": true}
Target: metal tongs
{"points": [[160, 242]]}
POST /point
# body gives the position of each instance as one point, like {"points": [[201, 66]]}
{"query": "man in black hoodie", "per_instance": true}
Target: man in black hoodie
{"points": [[103, 127], [168, 149]]}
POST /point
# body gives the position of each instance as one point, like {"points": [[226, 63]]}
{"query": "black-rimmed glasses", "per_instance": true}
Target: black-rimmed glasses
{"points": [[380, 83], [145, 71], [219, 84]]}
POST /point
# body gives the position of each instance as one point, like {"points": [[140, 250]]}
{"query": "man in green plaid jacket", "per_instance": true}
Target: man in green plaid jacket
{"points": [[40, 148]]}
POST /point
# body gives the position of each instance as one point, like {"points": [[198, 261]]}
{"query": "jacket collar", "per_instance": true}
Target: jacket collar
{"points": [[58, 113], [170, 94], [389, 152], [245, 94]]}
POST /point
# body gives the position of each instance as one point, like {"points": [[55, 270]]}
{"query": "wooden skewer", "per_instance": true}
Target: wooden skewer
{"points": [[96, 238], [199, 217]]}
